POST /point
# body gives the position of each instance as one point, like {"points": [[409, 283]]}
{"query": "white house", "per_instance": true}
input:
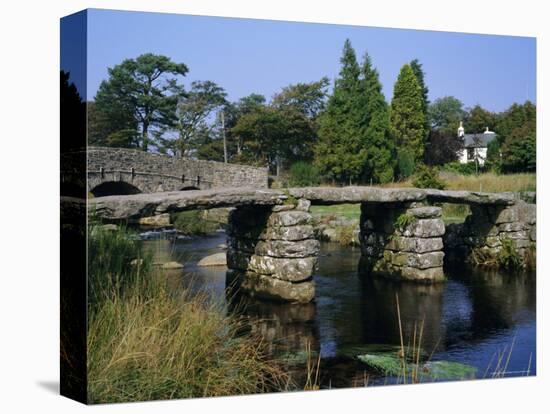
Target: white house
{"points": [[475, 145]]}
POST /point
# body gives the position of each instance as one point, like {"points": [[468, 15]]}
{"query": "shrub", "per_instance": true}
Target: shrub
{"points": [[428, 177], [459, 168], [405, 163], [403, 221], [192, 223], [303, 174], [508, 256]]}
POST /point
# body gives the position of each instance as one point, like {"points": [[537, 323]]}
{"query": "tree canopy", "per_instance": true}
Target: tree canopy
{"points": [[407, 121], [147, 88]]}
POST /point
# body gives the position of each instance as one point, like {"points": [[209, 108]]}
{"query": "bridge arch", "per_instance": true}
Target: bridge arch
{"points": [[108, 188]]}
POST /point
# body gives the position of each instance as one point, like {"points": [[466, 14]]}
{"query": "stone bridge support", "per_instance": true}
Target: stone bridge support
{"points": [[272, 252], [491, 231], [402, 241]]}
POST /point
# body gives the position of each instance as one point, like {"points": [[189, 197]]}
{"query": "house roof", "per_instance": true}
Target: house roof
{"points": [[478, 140]]}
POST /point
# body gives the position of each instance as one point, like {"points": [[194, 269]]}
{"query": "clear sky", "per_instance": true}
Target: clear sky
{"points": [[247, 56]]}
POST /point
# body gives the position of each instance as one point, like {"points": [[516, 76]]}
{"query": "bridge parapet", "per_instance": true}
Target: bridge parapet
{"points": [[150, 172]]}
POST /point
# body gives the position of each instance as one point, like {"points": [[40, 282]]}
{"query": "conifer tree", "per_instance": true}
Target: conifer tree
{"points": [[378, 143], [407, 119], [416, 67], [340, 153]]}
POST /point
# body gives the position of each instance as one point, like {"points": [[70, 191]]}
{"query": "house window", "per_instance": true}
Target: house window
{"points": [[471, 154]]}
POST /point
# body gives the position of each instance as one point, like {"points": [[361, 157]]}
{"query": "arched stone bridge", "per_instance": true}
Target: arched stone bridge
{"points": [[126, 171], [272, 251]]}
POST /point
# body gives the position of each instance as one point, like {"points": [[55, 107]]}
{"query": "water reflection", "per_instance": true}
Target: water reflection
{"points": [[468, 319]]}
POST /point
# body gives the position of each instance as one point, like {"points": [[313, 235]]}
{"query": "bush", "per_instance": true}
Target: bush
{"points": [[405, 164], [459, 168], [193, 223], [303, 174], [428, 177], [508, 257]]}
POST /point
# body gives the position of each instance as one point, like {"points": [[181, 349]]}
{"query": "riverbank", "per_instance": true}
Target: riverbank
{"points": [[147, 342]]}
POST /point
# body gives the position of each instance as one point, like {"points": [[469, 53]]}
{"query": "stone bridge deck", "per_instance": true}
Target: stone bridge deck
{"points": [[272, 251], [123, 207]]}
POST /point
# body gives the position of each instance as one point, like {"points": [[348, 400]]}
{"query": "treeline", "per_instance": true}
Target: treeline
{"points": [[349, 136]]}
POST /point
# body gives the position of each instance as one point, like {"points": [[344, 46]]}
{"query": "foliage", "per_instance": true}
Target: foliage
{"points": [[403, 221], [442, 147], [307, 98], [445, 115], [405, 163], [303, 174], [468, 168], [192, 223], [428, 177], [340, 153], [514, 150], [416, 67], [117, 265], [145, 343], [508, 256], [146, 89], [73, 115], [379, 147], [193, 110], [478, 118], [407, 121], [391, 364], [519, 151]]}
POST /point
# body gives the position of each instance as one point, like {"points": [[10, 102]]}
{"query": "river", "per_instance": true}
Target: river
{"points": [[475, 318]]}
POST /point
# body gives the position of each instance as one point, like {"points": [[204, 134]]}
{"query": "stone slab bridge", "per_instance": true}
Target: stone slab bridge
{"points": [[272, 251]]}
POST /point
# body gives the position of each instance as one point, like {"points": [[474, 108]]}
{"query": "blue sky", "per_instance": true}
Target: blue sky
{"points": [[258, 56]]}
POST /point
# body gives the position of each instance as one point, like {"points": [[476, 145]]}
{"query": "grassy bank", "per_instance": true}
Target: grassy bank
{"points": [[452, 213], [147, 343]]}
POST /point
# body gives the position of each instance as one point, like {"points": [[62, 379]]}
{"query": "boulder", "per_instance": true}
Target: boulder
{"points": [[171, 266], [425, 212], [415, 244], [419, 261], [266, 287], [289, 218], [290, 249], [160, 220], [217, 259], [425, 228]]}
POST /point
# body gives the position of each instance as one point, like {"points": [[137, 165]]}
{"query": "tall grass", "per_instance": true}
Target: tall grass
{"points": [[145, 342]]}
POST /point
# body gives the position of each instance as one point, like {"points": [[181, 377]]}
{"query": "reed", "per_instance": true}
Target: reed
{"points": [[147, 343]]}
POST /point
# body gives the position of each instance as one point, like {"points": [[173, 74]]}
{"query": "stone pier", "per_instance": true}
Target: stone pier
{"points": [[402, 241], [272, 252], [481, 239]]}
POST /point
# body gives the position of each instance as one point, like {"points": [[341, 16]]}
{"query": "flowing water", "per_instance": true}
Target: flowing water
{"points": [[477, 317]]}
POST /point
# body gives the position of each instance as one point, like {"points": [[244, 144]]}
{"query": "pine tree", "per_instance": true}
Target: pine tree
{"points": [[407, 119], [340, 153], [379, 146], [416, 67]]}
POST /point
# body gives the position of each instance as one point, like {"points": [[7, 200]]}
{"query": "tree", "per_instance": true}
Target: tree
{"points": [[340, 153], [376, 126], [517, 131], [416, 67], [306, 98], [407, 122], [193, 111], [115, 128], [442, 147], [72, 115], [477, 119], [147, 88], [445, 114]]}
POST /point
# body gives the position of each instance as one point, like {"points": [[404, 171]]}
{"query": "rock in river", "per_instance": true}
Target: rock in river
{"points": [[171, 265], [217, 259]]}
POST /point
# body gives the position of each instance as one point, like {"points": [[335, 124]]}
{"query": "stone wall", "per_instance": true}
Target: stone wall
{"points": [[156, 172], [272, 252], [413, 251], [481, 238]]}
